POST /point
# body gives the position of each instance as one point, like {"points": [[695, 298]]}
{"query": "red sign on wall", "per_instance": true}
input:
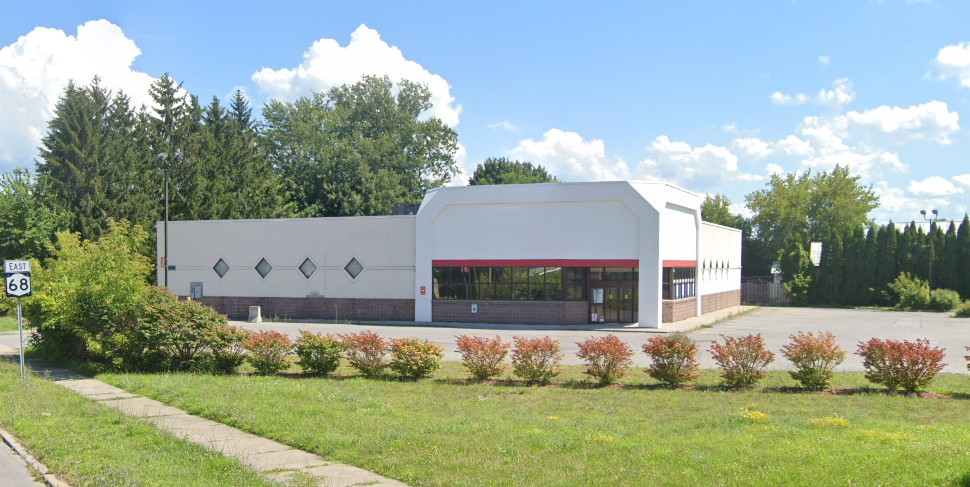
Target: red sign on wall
{"points": [[423, 291]]}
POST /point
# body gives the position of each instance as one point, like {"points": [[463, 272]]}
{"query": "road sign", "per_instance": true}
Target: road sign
{"points": [[14, 266], [18, 285]]}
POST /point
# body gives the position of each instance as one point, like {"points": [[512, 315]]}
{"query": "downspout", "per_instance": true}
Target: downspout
{"points": [[698, 258]]}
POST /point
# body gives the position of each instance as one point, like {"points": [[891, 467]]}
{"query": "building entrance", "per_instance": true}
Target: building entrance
{"points": [[613, 294]]}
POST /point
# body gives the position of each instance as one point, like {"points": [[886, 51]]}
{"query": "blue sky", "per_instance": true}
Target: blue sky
{"points": [[713, 96]]}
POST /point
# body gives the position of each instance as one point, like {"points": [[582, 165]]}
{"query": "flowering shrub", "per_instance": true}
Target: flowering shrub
{"points": [[536, 359], [674, 359], [319, 353], [414, 359], [968, 359], [366, 351], [944, 299], [483, 356], [814, 357], [742, 359], [267, 351], [607, 358], [228, 354], [910, 366]]}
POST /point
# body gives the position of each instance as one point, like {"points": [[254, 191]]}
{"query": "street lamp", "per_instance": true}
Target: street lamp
{"points": [[932, 221]]}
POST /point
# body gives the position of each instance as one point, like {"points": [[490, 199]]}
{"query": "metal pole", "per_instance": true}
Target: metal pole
{"points": [[20, 328], [166, 228]]}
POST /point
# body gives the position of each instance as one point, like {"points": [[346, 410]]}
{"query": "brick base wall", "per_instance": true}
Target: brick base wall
{"points": [[511, 312], [714, 302], [354, 309], [673, 310]]}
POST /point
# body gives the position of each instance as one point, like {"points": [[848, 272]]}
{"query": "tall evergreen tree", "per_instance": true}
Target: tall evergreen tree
{"points": [[963, 258], [832, 271], [871, 273]]}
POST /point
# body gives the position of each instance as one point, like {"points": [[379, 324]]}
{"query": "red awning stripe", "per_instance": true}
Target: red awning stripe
{"points": [[537, 263], [680, 263]]}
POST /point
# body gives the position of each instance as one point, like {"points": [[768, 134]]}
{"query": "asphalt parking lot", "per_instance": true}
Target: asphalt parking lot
{"points": [[774, 324]]}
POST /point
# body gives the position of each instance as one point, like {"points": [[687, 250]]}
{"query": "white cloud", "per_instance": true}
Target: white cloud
{"points": [[698, 167], [326, 65], [730, 128], [504, 125], [841, 93], [934, 186], [774, 169], [963, 179], [931, 121], [569, 157], [896, 204], [826, 136], [954, 62], [35, 69], [824, 60], [756, 149]]}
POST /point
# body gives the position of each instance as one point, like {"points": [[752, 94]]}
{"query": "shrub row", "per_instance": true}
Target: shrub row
{"points": [[905, 365], [914, 294]]}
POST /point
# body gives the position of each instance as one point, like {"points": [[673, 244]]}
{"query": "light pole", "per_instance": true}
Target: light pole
{"points": [[932, 221], [162, 157]]}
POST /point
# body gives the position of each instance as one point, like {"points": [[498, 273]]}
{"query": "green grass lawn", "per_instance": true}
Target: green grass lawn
{"points": [[88, 444], [8, 323], [449, 432]]}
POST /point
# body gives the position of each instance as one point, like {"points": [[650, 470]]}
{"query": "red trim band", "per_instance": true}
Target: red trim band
{"points": [[537, 263], [680, 263]]}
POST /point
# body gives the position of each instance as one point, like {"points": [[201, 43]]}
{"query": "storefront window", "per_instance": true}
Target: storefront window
{"points": [[679, 282], [510, 283]]}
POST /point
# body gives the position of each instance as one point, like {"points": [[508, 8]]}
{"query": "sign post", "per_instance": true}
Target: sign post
{"points": [[17, 273]]}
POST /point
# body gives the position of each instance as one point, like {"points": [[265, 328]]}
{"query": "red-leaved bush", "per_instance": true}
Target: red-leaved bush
{"points": [[905, 365], [607, 358], [365, 352], [267, 351], [483, 356], [742, 359], [674, 359], [536, 359], [414, 359], [968, 359], [814, 357]]}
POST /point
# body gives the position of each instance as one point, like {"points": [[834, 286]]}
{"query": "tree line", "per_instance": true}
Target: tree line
{"points": [[860, 260], [356, 149]]}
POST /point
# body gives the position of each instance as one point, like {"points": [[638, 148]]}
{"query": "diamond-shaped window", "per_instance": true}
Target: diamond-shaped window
{"points": [[354, 268], [263, 268], [307, 268], [221, 268]]}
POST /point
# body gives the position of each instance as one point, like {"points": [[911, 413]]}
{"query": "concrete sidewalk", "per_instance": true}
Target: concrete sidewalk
{"points": [[278, 461]]}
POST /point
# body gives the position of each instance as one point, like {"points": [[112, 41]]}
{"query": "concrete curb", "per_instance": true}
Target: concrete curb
{"points": [[50, 479]]}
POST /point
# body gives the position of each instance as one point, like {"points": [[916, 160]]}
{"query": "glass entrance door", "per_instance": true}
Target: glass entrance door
{"points": [[613, 295]]}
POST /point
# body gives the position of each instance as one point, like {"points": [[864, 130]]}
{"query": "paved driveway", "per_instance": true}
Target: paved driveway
{"points": [[774, 324]]}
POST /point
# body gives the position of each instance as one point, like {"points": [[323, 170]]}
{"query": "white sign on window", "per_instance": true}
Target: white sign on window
{"points": [[597, 296]]}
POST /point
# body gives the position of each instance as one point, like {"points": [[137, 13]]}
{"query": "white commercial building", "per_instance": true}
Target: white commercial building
{"points": [[561, 253]]}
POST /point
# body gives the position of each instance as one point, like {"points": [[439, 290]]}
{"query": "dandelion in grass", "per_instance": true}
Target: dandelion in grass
{"points": [[554, 418], [830, 422], [756, 417]]}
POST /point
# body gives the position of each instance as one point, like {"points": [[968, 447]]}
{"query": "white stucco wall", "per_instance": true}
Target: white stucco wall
{"points": [[535, 230], [720, 260], [383, 245], [678, 233]]}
